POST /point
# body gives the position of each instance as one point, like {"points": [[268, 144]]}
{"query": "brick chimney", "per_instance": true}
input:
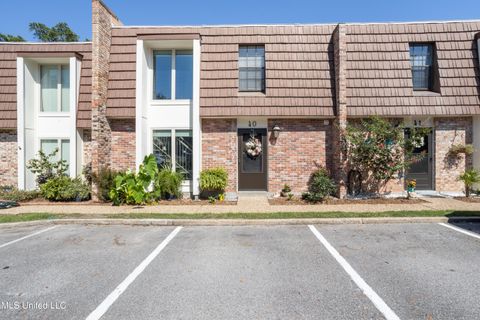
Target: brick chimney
{"points": [[102, 21]]}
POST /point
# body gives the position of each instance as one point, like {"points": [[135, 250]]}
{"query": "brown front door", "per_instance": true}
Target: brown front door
{"points": [[252, 159]]}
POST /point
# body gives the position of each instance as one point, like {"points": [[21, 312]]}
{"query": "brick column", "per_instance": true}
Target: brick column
{"points": [[339, 157], [102, 21]]}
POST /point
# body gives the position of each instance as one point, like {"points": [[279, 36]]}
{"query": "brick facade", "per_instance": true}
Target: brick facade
{"points": [[302, 146], [102, 21], [340, 62], [122, 154], [87, 147], [220, 147], [8, 158], [450, 131]]}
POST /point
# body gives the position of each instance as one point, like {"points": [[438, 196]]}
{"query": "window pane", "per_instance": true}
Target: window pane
{"points": [[162, 147], [162, 75], [48, 83], [48, 146], [251, 64], [183, 74], [421, 59], [65, 88], [65, 151], [183, 153]]}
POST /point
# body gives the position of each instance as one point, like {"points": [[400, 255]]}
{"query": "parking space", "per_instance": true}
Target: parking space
{"points": [[71, 267], [420, 271]]}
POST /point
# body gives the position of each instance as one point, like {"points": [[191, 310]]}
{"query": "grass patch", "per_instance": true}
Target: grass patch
{"points": [[296, 215], [4, 218]]}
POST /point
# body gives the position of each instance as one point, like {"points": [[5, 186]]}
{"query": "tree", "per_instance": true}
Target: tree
{"points": [[61, 32], [378, 150], [10, 38]]}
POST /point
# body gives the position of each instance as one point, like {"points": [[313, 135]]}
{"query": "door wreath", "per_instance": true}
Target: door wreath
{"points": [[253, 147]]}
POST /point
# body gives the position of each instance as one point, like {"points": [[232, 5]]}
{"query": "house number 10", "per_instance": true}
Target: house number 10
{"points": [[252, 124]]}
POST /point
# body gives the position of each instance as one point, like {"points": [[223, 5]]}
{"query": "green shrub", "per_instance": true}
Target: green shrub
{"points": [[105, 181], [13, 194], [133, 188], [469, 178], [320, 186], [213, 181], [64, 188], [45, 168], [168, 183]]}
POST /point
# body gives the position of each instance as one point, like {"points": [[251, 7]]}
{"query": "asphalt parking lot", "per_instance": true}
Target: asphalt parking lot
{"points": [[393, 271]]}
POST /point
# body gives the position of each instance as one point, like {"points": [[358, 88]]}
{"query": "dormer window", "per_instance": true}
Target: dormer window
{"points": [[421, 61]]}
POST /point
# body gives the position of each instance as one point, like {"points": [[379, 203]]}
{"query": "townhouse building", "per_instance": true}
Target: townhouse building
{"points": [[198, 96]]}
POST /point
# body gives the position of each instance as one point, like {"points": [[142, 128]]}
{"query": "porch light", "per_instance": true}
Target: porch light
{"points": [[276, 131]]}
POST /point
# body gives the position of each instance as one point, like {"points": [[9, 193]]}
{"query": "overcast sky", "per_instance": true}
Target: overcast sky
{"points": [[16, 15]]}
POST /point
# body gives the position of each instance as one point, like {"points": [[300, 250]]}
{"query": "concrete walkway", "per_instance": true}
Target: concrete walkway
{"points": [[247, 205]]}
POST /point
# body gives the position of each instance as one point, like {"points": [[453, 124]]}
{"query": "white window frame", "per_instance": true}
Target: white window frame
{"points": [[173, 77], [59, 88], [173, 146]]}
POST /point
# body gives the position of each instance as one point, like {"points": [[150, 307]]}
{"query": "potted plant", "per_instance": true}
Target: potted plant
{"points": [[458, 149], [411, 185], [213, 182], [285, 190]]}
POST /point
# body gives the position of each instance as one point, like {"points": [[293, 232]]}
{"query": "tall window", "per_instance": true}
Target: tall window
{"points": [[251, 66], [55, 88], [421, 60], [173, 75], [63, 146], [174, 148]]}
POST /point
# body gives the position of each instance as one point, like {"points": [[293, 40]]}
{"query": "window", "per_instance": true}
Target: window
{"points": [[251, 66], [55, 88], [173, 75], [421, 61], [176, 145], [63, 146]]}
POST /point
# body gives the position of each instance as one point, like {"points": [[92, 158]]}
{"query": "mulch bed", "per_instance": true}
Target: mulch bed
{"points": [[470, 199], [297, 201], [176, 202]]}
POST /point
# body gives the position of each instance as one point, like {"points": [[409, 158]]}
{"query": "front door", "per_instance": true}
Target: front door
{"points": [[421, 170], [252, 159]]}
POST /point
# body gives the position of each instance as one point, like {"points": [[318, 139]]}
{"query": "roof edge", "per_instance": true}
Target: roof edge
{"points": [[47, 43], [296, 24]]}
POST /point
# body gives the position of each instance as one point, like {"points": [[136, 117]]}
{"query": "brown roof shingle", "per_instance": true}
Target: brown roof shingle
{"points": [[8, 78], [379, 79], [299, 70]]}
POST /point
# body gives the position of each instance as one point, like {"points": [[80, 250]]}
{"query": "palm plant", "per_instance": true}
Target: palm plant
{"points": [[469, 178]]}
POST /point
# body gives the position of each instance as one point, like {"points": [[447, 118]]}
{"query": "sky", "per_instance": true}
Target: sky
{"points": [[16, 15]]}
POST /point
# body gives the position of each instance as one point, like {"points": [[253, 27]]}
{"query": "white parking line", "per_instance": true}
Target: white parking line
{"points": [[468, 233], [367, 290], [105, 305], [26, 237]]}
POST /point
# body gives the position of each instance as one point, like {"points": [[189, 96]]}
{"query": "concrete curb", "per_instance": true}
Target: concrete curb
{"points": [[239, 222]]}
